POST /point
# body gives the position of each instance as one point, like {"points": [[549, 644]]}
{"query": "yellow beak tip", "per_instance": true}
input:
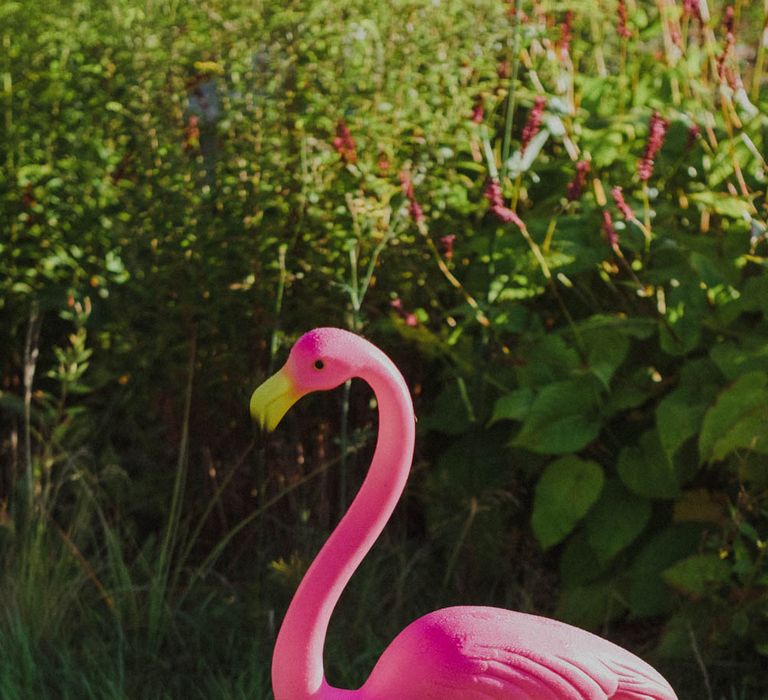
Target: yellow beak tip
{"points": [[271, 401]]}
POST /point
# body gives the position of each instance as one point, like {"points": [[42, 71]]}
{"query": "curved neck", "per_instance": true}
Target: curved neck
{"points": [[297, 663]]}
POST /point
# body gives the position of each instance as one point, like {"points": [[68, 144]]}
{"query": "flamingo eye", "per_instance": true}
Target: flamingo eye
{"points": [[319, 364]]}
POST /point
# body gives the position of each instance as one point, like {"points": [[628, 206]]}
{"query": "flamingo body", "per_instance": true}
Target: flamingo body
{"points": [[482, 653], [459, 653]]}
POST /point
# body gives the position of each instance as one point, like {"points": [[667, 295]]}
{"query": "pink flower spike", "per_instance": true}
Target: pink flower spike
{"points": [[493, 193], [621, 203], [407, 184], [407, 316], [691, 8], [623, 30], [496, 200], [576, 186], [564, 43], [693, 135], [478, 111], [533, 124], [657, 131], [610, 232], [414, 208], [416, 212], [447, 242], [344, 143]]}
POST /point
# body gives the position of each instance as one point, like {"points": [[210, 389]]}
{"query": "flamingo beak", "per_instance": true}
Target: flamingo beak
{"points": [[271, 401]]}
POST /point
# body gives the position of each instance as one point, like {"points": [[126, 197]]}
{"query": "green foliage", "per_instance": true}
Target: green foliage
{"points": [[178, 202], [566, 491]]}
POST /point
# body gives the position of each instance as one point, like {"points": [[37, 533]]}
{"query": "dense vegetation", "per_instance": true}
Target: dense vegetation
{"points": [[186, 187]]}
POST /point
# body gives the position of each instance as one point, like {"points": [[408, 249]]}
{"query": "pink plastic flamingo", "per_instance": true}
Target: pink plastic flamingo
{"points": [[459, 653]]}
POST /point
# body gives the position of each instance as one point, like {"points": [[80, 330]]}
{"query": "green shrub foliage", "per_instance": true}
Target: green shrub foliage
{"points": [[552, 217]]}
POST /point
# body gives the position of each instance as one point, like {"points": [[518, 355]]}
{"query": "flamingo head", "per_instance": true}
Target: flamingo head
{"points": [[320, 360]]}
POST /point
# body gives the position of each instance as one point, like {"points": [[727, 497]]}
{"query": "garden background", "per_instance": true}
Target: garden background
{"points": [[187, 187]]}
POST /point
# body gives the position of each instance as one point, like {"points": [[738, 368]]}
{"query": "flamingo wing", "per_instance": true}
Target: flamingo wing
{"points": [[476, 653]]}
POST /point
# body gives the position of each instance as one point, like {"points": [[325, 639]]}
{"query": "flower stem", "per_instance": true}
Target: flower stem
{"points": [[511, 93]]}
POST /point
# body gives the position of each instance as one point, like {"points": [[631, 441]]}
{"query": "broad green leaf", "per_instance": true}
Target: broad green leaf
{"points": [[616, 520], [647, 470], [648, 593], [697, 574], [680, 413], [640, 328], [628, 391], [733, 361], [606, 350], [677, 420], [589, 606], [513, 406], [682, 333], [738, 419], [563, 418], [724, 204], [546, 360], [579, 564], [566, 490], [451, 412]]}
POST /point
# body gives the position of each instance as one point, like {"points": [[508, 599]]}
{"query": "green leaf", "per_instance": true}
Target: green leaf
{"points": [[724, 204], [680, 413], [579, 564], [616, 520], [546, 360], [513, 406], [589, 606], [629, 390], [563, 418], [697, 574], [566, 491], [641, 328], [734, 361], [738, 419], [451, 412], [606, 350], [647, 470], [649, 595]]}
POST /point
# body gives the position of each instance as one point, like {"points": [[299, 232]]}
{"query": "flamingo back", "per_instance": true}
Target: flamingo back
{"points": [[481, 653]]}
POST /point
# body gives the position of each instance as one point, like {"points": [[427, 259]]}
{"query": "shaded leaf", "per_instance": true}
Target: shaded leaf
{"points": [[564, 494], [579, 564], [606, 350], [563, 418], [589, 606], [616, 520], [697, 574], [680, 413], [513, 406], [738, 419], [649, 594], [647, 470]]}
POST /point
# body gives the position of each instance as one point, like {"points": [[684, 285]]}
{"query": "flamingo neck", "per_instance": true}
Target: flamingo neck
{"points": [[297, 664]]}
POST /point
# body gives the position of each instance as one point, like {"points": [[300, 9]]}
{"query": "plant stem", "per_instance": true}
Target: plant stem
{"points": [[512, 92], [31, 354], [8, 92], [275, 339], [757, 76]]}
